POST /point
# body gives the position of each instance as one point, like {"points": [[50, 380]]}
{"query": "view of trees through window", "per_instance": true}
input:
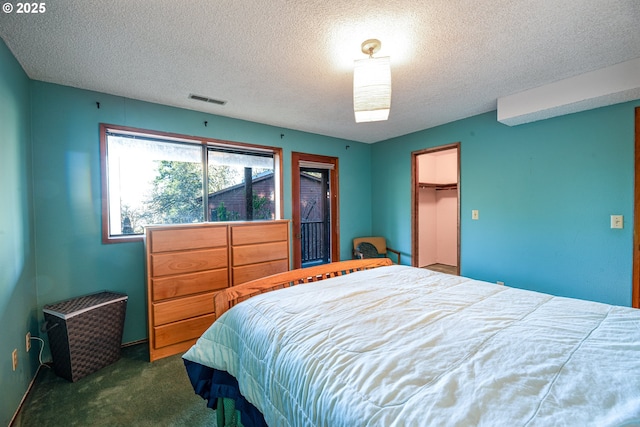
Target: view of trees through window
{"points": [[154, 181], [241, 187]]}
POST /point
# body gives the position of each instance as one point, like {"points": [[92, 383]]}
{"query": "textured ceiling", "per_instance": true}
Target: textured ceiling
{"points": [[288, 63]]}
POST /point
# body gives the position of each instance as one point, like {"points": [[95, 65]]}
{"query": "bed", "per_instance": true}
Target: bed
{"points": [[364, 343]]}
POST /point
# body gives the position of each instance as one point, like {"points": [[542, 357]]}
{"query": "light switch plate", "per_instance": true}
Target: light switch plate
{"points": [[475, 214], [617, 221]]}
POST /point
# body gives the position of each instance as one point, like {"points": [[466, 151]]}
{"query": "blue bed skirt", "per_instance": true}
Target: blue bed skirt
{"points": [[212, 385]]}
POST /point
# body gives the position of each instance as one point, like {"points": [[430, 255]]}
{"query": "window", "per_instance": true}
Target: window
{"points": [[241, 185], [154, 178]]}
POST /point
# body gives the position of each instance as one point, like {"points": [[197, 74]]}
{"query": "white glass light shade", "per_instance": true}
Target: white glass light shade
{"points": [[372, 89]]}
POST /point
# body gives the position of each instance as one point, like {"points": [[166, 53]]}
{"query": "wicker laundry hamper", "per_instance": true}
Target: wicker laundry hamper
{"points": [[85, 333]]}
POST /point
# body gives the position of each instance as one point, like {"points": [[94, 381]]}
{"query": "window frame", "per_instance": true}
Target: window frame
{"points": [[205, 144]]}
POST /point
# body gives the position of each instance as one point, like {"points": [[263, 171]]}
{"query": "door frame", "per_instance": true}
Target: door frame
{"points": [[635, 284], [296, 157], [415, 191]]}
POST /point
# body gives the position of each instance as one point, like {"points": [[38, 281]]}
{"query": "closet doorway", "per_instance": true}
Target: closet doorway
{"points": [[435, 180]]}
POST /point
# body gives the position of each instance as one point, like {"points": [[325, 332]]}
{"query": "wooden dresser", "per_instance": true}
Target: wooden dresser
{"points": [[186, 264]]}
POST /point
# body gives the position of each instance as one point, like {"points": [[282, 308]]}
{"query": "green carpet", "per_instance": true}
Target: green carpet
{"points": [[130, 392]]}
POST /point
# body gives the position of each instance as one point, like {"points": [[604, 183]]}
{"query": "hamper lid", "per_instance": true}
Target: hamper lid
{"points": [[75, 306]]}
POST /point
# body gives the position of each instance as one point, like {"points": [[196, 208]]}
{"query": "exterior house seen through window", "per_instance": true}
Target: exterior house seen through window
{"points": [[152, 178]]}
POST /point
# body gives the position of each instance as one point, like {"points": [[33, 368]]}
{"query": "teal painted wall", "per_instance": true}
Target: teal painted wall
{"points": [[71, 258], [544, 191], [18, 303]]}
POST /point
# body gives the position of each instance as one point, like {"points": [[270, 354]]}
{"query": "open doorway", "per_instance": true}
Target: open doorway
{"points": [[314, 209], [436, 208]]}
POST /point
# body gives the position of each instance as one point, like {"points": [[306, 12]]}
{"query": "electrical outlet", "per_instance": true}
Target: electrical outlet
{"points": [[14, 359], [28, 341]]}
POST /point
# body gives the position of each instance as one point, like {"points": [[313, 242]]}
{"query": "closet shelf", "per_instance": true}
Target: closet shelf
{"points": [[452, 186]]}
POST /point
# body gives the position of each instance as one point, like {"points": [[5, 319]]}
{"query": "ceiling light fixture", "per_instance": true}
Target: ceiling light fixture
{"points": [[371, 85]]}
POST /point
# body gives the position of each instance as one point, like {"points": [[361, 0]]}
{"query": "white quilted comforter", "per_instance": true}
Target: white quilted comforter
{"points": [[401, 346]]}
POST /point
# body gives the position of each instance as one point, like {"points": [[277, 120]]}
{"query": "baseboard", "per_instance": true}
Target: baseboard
{"points": [[24, 397], [129, 344]]}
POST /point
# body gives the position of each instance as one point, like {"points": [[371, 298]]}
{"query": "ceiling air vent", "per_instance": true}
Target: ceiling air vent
{"points": [[205, 99]]}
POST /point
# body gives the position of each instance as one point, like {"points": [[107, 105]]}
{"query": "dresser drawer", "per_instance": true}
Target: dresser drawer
{"points": [[187, 262], [181, 331], [187, 238], [182, 308], [259, 233], [255, 271], [187, 284], [263, 252]]}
